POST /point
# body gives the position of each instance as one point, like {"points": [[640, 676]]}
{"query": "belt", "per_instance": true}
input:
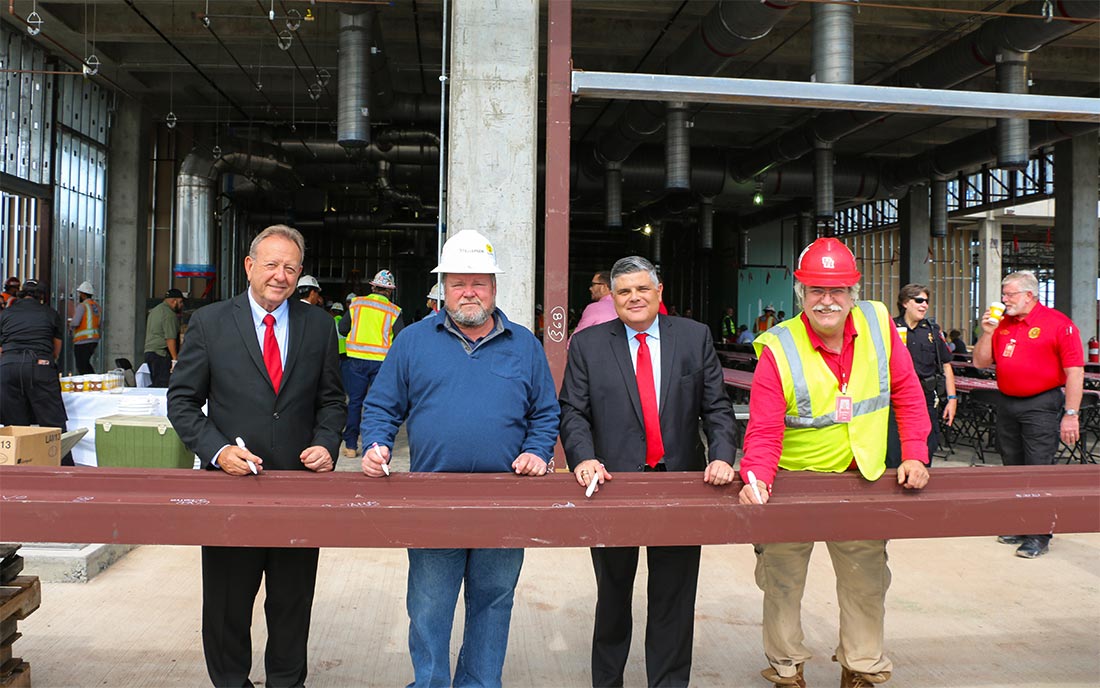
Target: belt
{"points": [[25, 356]]}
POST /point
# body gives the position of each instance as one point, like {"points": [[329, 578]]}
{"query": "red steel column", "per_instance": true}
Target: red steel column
{"points": [[559, 100]]}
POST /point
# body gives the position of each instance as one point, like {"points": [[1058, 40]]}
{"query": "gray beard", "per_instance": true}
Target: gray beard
{"points": [[472, 320]]}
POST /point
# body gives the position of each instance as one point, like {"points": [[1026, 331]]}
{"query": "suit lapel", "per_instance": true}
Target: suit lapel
{"points": [[297, 333], [620, 351], [242, 315], [668, 355]]}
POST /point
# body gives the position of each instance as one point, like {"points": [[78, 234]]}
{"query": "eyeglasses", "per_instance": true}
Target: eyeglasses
{"points": [[920, 299], [1012, 293]]}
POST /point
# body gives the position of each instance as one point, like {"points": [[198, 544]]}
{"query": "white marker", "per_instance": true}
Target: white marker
{"points": [[592, 485], [755, 489], [385, 465], [251, 466]]}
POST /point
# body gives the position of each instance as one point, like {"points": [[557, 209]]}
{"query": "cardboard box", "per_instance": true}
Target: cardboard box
{"points": [[27, 445], [139, 442]]}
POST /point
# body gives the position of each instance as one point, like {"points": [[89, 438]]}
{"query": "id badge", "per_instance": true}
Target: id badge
{"points": [[1009, 348], [844, 409]]}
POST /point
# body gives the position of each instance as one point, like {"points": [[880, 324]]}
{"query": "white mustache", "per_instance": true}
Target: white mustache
{"points": [[822, 308]]}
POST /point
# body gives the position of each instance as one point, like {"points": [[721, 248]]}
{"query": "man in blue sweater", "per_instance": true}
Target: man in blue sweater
{"points": [[478, 397]]}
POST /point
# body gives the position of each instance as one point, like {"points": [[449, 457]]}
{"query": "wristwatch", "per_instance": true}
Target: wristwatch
{"points": [[1070, 412]]}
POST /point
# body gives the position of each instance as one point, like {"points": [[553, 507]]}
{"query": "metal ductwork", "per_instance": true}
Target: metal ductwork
{"points": [[402, 198], [398, 107], [807, 231], [706, 223], [613, 188], [1012, 144], [834, 38], [938, 223], [963, 59], [195, 196], [677, 149], [353, 97], [743, 257], [655, 244], [423, 153], [723, 34], [823, 182]]}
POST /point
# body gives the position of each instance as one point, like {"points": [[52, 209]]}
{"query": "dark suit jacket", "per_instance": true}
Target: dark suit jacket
{"points": [[221, 364], [601, 413]]}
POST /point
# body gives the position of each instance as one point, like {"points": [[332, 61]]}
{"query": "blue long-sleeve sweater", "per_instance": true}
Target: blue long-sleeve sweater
{"points": [[466, 412]]}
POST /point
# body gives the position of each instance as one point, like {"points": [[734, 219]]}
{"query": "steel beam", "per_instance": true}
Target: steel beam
{"points": [[802, 94], [298, 509]]}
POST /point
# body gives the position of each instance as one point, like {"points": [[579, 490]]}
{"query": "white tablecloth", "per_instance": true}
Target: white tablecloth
{"points": [[84, 407]]}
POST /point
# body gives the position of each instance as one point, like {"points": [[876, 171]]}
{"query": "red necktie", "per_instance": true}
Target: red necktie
{"points": [[272, 360], [654, 446]]}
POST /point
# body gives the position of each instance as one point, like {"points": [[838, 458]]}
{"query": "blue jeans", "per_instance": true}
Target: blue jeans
{"points": [[358, 374], [435, 576]]}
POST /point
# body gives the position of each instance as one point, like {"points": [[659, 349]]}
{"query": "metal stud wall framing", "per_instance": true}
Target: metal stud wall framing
{"points": [[27, 99]]}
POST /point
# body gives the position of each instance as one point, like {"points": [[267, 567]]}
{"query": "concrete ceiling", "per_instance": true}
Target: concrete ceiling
{"points": [[237, 48]]}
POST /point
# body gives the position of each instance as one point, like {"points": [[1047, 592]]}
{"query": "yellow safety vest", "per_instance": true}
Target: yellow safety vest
{"points": [[87, 328], [371, 332], [341, 345], [812, 439]]}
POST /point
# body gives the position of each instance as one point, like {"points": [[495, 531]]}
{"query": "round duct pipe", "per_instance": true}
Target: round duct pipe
{"points": [[823, 181], [806, 233], [655, 244], [613, 189], [706, 223], [939, 208], [353, 98], [743, 244], [677, 149], [1012, 136], [833, 44], [194, 246]]}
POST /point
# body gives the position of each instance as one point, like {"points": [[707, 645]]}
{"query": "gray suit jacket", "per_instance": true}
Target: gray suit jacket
{"points": [[601, 413], [221, 365]]}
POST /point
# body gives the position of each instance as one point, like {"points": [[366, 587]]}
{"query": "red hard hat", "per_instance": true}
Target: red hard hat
{"points": [[827, 263]]}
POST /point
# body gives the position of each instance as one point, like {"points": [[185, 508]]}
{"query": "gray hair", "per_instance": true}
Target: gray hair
{"points": [[1025, 279], [800, 292], [631, 264], [283, 231]]}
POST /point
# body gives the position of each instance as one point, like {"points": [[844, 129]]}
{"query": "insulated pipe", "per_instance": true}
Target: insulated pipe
{"points": [[939, 208], [613, 187], [331, 151], [823, 182], [677, 149], [833, 44], [195, 196], [400, 107], [963, 59], [405, 198], [1012, 143], [706, 223], [353, 98], [806, 231]]}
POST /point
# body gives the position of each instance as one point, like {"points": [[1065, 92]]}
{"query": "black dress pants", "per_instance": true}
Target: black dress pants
{"points": [[82, 353], [670, 626], [1028, 431], [230, 580], [30, 394]]}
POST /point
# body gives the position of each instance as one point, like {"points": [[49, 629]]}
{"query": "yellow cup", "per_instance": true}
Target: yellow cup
{"points": [[996, 311], [903, 332]]}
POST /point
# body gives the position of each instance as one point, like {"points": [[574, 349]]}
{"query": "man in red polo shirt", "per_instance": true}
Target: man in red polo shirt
{"points": [[1038, 352]]}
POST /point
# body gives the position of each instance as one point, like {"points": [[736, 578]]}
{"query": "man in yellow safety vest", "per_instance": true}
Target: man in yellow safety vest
{"points": [[86, 328], [821, 398], [370, 326]]}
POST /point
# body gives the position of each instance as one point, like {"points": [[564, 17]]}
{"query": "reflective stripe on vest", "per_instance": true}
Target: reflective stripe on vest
{"points": [[371, 332], [87, 329], [813, 440]]}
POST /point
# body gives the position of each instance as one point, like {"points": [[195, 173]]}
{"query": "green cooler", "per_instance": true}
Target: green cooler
{"points": [[139, 442]]}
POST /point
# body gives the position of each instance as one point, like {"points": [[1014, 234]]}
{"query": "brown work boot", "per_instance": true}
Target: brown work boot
{"points": [[350, 452], [854, 679], [797, 680]]}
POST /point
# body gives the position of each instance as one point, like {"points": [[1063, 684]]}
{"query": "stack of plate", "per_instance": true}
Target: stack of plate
{"points": [[139, 406]]}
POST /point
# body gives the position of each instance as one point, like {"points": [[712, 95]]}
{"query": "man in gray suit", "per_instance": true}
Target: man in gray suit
{"points": [[268, 369], [635, 389]]}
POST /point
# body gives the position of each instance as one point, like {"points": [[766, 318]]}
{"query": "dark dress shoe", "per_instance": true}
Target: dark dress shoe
{"points": [[1032, 549], [1010, 539]]}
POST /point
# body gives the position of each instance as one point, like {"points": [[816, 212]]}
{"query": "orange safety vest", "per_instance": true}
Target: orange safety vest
{"points": [[87, 328]]}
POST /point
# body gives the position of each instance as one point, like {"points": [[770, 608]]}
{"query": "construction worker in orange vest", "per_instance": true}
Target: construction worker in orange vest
{"points": [[86, 324], [370, 326], [11, 288]]}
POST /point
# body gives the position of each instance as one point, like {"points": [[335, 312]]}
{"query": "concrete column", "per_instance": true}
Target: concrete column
{"points": [[989, 264], [1075, 231], [127, 236], [915, 225], [492, 138]]}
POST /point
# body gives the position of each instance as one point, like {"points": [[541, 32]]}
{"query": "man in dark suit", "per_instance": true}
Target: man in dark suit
{"points": [[614, 419], [269, 372]]}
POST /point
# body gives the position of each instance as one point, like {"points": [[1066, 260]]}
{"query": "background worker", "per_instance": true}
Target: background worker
{"points": [[337, 312], [932, 362], [11, 290], [766, 320], [309, 291], [729, 327], [1037, 351], [86, 324], [435, 296], [821, 395], [162, 332], [30, 342], [602, 308], [476, 393], [372, 323]]}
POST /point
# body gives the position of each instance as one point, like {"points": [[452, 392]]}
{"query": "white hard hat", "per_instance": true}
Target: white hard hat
{"points": [[350, 297], [436, 293], [309, 281], [336, 306], [384, 280], [469, 253], [86, 288]]}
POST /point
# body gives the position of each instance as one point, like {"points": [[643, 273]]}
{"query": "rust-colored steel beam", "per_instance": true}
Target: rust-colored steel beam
{"points": [[300, 509]]}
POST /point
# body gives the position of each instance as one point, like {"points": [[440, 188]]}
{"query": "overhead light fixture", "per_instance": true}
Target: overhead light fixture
{"points": [[758, 196], [647, 229]]}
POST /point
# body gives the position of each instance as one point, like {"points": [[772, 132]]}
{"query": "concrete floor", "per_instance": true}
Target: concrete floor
{"points": [[961, 612]]}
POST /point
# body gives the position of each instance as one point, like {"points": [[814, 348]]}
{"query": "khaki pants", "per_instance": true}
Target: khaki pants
{"points": [[862, 578]]}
